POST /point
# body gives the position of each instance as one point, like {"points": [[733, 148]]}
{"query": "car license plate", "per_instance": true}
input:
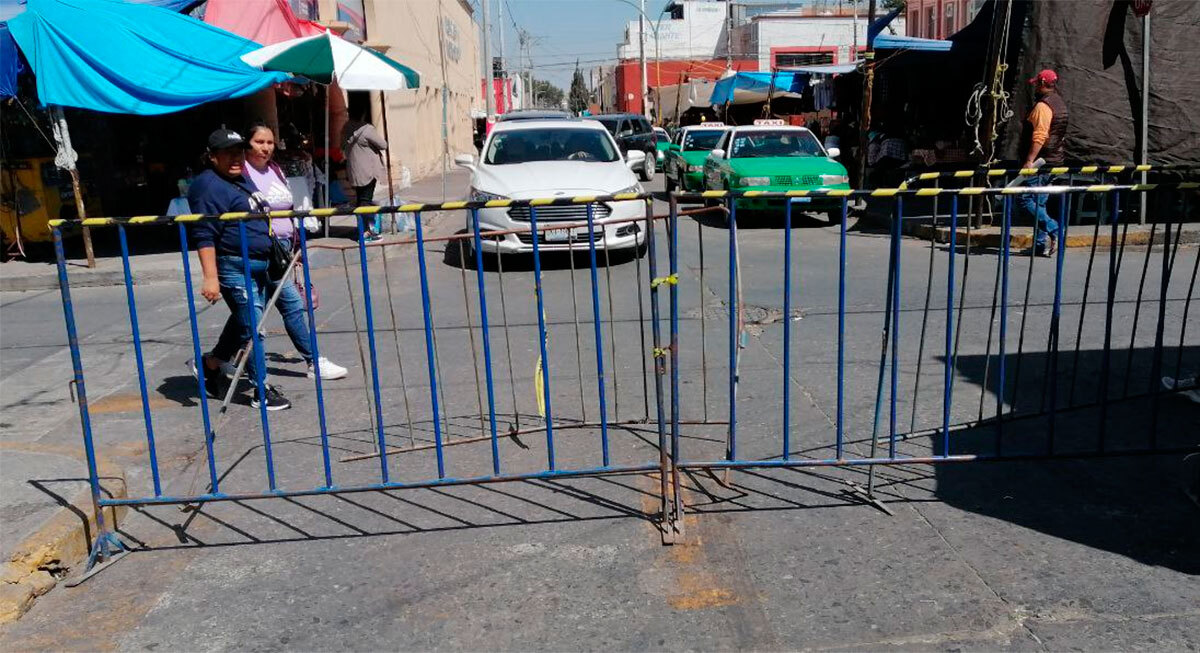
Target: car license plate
{"points": [[563, 235]]}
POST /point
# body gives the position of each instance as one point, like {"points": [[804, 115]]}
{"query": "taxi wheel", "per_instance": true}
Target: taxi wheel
{"points": [[648, 166]]}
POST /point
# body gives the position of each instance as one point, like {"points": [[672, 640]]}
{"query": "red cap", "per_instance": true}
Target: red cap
{"points": [[1047, 76]]}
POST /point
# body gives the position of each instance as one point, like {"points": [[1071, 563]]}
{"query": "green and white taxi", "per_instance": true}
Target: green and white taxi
{"points": [[684, 165], [772, 156]]}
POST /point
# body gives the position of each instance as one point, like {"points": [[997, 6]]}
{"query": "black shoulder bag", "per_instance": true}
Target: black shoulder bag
{"points": [[279, 256]]}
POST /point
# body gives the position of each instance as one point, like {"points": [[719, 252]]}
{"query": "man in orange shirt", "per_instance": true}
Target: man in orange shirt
{"points": [[1043, 136]]}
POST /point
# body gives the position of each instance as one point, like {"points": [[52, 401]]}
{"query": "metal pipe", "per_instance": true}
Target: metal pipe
{"points": [[599, 342], [429, 355], [256, 343], [541, 316], [141, 363], [370, 317], [487, 342], [316, 354], [198, 358]]}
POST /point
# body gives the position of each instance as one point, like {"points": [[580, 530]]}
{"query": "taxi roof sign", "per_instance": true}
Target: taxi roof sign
{"points": [[710, 123], [772, 122]]}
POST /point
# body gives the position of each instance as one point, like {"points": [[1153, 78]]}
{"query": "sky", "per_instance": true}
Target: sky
{"points": [[565, 30]]}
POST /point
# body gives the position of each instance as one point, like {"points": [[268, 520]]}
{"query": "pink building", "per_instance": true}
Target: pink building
{"points": [[938, 19]]}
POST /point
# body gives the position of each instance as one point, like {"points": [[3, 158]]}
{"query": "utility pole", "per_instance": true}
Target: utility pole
{"points": [[642, 55], [503, 67], [864, 121], [728, 34], [489, 84], [1144, 154]]}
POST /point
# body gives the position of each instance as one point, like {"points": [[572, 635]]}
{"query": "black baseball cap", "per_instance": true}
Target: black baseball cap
{"points": [[222, 139]]}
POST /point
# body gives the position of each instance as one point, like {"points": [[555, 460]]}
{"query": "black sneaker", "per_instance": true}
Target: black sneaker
{"points": [[215, 383], [275, 399]]}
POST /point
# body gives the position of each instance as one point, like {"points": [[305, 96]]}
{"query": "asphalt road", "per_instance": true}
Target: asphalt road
{"points": [[1028, 555]]}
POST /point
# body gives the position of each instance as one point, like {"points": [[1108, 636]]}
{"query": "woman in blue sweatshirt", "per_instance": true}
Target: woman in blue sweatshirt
{"points": [[223, 189]]}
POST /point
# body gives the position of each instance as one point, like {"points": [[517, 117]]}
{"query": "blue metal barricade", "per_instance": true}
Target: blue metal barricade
{"points": [[758, 435]]}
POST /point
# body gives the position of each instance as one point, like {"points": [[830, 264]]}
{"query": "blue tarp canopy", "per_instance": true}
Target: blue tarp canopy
{"points": [[133, 58], [896, 42], [744, 88]]}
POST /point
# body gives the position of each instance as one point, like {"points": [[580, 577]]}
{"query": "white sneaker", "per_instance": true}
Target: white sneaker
{"points": [[1187, 385], [329, 371]]}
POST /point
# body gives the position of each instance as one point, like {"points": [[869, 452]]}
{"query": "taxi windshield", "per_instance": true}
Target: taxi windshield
{"points": [[702, 140], [774, 143]]}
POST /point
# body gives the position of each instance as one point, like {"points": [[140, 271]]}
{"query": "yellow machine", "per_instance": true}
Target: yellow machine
{"points": [[32, 191]]}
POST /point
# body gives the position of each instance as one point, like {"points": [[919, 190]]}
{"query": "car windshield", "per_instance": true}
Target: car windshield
{"points": [[760, 144], [528, 145], [701, 140]]}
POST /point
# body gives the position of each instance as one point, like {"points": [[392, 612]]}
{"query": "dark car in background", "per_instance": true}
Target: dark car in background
{"points": [[633, 133]]}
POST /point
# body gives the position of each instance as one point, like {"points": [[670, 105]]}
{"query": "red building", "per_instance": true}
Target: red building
{"points": [[667, 73], [938, 19]]}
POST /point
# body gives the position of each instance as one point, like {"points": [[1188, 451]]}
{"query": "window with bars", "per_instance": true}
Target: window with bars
{"points": [[794, 59]]}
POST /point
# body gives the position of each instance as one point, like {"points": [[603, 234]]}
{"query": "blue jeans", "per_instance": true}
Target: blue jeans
{"points": [[243, 315], [1034, 206]]}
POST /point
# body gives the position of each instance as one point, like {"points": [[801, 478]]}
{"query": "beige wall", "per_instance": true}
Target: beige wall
{"points": [[412, 29]]}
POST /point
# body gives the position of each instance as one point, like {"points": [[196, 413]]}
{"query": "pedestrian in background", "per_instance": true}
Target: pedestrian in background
{"points": [[268, 179], [1043, 136], [223, 189], [364, 147]]}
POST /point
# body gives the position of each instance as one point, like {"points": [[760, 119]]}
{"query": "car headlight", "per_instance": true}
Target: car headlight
{"points": [[754, 181], [833, 180], [636, 188], [660, 155], [484, 196], [695, 168]]}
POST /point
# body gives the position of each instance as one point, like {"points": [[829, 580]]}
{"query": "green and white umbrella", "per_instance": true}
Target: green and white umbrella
{"points": [[327, 58]]}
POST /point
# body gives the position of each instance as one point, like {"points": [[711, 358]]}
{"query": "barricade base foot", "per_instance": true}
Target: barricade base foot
{"points": [[859, 493], [107, 550]]}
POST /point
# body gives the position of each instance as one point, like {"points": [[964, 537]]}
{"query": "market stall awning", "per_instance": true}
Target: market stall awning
{"points": [[119, 57], [881, 41], [747, 88], [825, 69], [677, 99], [262, 21]]}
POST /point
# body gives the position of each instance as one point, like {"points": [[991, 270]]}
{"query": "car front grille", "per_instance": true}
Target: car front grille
{"points": [[581, 237], [568, 212], [800, 180]]}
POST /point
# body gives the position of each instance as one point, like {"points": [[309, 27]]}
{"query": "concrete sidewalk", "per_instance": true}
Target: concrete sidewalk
{"points": [[166, 267]]}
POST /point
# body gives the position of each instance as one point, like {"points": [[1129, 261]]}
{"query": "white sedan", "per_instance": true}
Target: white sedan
{"points": [[549, 159]]}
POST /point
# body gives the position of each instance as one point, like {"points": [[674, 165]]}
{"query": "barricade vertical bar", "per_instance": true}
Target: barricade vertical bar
{"points": [[487, 340], [895, 391], [673, 250], [575, 323], [387, 286], [141, 363], [787, 326], [735, 309], [1137, 309], [612, 330], [841, 342], [1055, 318], [948, 388], [659, 371], [637, 259], [316, 354], [512, 378], [198, 357], [462, 273], [433, 386], [597, 331], [700, 289], [1156, 366], [1106, 362], [260, 363], [541, 316], [1083, 305], [1001, 363], [912, 421], [370, 317], [362, 356], [1187, 304], [104, 536]]}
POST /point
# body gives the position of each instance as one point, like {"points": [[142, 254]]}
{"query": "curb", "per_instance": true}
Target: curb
{"points": [[59, 544], [1022, 240]]}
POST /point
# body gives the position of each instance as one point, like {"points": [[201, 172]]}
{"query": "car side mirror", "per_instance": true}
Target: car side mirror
{"points": [[834, 152], [465, 161], [717, 154], [634, 158]]}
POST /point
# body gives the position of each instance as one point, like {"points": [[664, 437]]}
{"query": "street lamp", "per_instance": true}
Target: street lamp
{"points": [[654, 25]]}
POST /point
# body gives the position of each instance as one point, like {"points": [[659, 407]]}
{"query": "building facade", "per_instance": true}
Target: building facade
{"points": [[938, 19], [428, 125], [806, 36]]}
